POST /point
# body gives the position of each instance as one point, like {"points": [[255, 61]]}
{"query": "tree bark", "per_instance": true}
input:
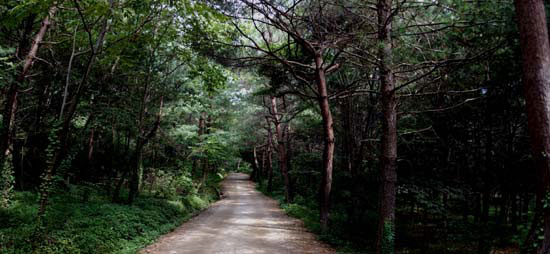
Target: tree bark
{"points": [[514, 211], [262, 167], [535, 46], [281, 149], [206, 162], [483, 246], [349, 146], [142, 140], [137, 158], [90, 154], [269, 156], [201, 126], [255, 167], [85, 170], [388, 174], [63, 134], [328, 151], [10, 109]]}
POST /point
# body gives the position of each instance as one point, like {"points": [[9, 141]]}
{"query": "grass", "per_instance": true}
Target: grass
{"points": [[91, 224]]}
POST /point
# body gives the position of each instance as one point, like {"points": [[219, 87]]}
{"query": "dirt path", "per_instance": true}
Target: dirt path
{"points": [[244, 222]]}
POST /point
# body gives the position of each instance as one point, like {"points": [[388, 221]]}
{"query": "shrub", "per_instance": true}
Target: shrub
{"points": [[96, 226]]}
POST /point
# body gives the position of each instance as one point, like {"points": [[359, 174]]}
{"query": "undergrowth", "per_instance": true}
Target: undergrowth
{"points": [[77, 225], [306, 210], [353, 235]]}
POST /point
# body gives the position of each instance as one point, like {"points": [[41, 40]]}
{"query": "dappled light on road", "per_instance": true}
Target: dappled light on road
{"points": [[244, 222]]}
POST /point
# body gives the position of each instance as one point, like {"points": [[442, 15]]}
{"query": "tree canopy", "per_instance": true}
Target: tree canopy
{"points": [[388, 126]]}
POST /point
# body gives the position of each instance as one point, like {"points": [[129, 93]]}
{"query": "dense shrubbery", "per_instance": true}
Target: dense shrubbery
{"points": [[340, 235], [126, 132], [169, 184], [122, 97], [353, 231], [83, 220]]}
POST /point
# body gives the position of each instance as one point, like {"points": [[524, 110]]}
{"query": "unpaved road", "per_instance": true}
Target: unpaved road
{"points": [[244, 222]]}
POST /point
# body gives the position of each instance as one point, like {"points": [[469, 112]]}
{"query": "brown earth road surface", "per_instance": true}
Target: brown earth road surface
{"points": [[243, 222]]}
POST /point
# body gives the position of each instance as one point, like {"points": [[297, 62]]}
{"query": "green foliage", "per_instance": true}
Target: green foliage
{"points": [[94, 225], [176, 50], [170, 185], [7, 66], [47, 178], [388, 237], [306, 210], [211, 76], [309, 216], [7, 181], [216, 146], [244, 167]]}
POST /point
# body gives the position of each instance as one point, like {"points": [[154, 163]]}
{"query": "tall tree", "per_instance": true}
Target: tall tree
{"points": [[388, 157], [268, 148], [281, 148], [535, 46], [58, 146], [7, 130], [305, 38]]}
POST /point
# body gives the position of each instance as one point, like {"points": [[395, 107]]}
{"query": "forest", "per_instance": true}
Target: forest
{"points": [[376, 126]]}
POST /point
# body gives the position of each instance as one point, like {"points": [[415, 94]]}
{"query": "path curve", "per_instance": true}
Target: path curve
{"points": [[244, 222]]}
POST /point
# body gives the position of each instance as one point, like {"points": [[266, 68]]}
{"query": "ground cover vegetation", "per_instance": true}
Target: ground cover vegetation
{"points": [[387, 126]]}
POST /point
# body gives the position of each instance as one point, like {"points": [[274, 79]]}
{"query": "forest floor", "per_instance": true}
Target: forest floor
{"points": [[244, 221]]}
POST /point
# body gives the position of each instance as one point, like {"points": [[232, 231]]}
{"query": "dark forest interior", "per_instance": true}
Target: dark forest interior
{"points": [[386, 126]]}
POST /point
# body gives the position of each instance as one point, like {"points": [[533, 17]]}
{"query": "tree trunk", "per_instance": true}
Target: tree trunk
{"points": [[118, 187], [262, 171], [10, 108], [85, 170], [514, 211], [532, 237], [269, 156], [535, 46], [349, 146], [90, 154], [142, 140], [201, 126], [135, 172], [483, 246], [255, 166], [477, 207], [135, 160], [328, 151], [388, 159], [281, 150], [288, 145], [206, 163], [61, 148]]}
